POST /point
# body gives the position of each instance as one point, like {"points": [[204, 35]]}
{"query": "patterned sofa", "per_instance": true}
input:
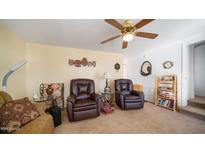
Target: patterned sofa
{"points": [[41, 125]]}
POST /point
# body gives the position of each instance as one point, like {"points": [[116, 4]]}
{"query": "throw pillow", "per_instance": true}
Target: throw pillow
{"points": [[17, 113]]}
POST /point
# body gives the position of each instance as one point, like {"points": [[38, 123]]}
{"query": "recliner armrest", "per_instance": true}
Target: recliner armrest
{"points": [[95, 96], [121, 95], [120, 98], [70, 103], [71, 99]]}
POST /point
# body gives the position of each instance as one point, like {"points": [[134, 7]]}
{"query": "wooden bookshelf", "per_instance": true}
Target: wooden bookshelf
{"points": [[166, 92]]}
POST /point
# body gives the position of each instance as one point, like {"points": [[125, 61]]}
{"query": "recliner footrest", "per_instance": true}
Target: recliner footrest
{"points": [[85, 114]]}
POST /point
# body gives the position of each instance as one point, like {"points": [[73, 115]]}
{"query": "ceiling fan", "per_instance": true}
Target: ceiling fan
{"points": [[128, 30]]}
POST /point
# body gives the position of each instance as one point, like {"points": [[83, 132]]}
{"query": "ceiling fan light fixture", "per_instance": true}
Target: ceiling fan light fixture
{"points": [[128, 31], [128, 37]]}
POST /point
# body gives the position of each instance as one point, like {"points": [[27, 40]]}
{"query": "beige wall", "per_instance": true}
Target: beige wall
{"points": [[12, 50], [47, 64]]}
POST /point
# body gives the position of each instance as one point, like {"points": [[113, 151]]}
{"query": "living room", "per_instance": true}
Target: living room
{"points": [[102, 76], [49, 63]]}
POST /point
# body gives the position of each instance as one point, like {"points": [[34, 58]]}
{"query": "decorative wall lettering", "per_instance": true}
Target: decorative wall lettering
{"points": [[83, 62]]}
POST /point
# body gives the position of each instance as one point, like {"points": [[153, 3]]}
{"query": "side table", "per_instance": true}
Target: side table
{"points": [[107, 99]]}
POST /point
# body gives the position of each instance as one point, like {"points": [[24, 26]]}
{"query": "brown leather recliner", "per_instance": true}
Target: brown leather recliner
{"points": [[83, 102], [126, 97]]}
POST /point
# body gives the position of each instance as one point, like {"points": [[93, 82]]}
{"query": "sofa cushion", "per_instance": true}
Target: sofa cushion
{"points": [[84, 102], [83, 96], [131, 97], [17, 113], [41, 125], [125, 92], [41, 107]]}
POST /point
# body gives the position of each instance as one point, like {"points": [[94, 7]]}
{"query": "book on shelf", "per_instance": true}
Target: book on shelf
{"points": [[171, 105], [161, 102], [166, 103]]}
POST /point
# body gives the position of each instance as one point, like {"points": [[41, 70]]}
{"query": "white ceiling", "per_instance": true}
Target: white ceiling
{"points": [[88, 33]]}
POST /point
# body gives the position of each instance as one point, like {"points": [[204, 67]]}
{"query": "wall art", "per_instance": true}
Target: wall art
{"points": [[53, 92], [168, 64], [83, 62], [117, 67], [146, 68]]}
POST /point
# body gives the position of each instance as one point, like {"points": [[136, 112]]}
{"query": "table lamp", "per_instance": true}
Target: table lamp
{"points": [[107, 76]]}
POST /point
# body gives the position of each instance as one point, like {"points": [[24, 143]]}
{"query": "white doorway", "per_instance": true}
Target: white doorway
{"points": [[188, 88], [199, 69]]}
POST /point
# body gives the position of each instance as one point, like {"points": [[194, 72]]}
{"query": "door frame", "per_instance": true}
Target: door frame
{"points": [[187, 69]]}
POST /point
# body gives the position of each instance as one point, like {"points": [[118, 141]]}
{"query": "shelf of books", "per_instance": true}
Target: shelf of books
{"points": [[166, 91]]}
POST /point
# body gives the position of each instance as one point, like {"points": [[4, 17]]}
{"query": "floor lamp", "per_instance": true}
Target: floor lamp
{"points": [[11, 71]]}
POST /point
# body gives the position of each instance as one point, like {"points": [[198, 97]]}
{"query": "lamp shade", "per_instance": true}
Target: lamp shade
{"points": [[106, 75]]}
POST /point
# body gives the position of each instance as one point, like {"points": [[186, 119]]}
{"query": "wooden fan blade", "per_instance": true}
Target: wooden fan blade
{"points": [[146, 35], [110, 39], [124, 44], [143, 23], [114, 23]]}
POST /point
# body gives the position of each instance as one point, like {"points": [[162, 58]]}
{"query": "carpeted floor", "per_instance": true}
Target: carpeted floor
{"points": [[150, 119]]}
